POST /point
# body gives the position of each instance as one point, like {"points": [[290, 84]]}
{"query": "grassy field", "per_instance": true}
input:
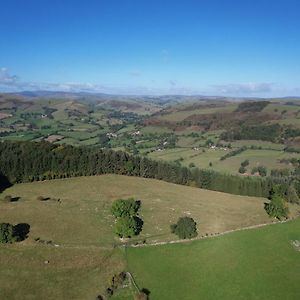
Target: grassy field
{"points": [[253, 264], [84, 210], [72, 273], [82, 257], [269, 158]]}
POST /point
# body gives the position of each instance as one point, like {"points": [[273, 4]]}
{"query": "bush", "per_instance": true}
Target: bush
{"points": [[261, 170], [245, 163], [40, 198], [242, 170], [7, 233], [140, 296], [186, 228]]}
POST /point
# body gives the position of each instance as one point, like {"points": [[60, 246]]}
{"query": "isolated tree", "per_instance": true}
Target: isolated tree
{"points": [[277, 207], [7, 233], [125, 207], [185, 228]]}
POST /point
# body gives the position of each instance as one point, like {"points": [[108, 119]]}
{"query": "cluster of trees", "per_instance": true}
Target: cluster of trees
{"points": [[185, 228], [30, 161], [261, 132], [127, 223], [261, 170], [233, 153]]}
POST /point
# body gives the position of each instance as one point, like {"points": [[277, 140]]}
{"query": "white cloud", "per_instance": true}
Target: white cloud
{"points": [[244, 88], [6, 78], [12, 83]]}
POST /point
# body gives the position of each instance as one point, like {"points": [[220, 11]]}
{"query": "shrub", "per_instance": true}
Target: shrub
{"points": [[242, 170], [261, 170], [185, 228], [140, 296], [40, 198], [7, 198], [191, 165], [245, 163], [118, 280]]}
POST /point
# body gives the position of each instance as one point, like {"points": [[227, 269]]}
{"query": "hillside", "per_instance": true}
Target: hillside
{"points": [[85, 208], [69, 252], [189, 131]]}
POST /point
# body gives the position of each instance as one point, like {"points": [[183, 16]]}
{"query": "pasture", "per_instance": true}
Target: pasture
{"points": [[82, 217], [82, 255], [253, 264]]}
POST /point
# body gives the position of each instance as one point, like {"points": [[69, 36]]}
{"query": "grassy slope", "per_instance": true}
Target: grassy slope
{"points": [[85, 203], [253, 264]]}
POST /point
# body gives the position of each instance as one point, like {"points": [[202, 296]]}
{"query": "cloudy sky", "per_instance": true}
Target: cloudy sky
{"points": [[216, 47]]}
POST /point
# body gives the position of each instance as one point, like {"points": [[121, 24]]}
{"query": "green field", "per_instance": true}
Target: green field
{"points": [[269, 158], [253, 264]]}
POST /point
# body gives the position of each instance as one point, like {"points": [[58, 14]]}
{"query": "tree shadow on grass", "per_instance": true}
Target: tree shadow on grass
{"points": [[15, 199], [139, 223], [146, 292], [21, 231], [4, 183]]}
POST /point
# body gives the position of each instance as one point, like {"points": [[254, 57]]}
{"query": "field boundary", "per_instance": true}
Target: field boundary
{"points": [[212, 235]]}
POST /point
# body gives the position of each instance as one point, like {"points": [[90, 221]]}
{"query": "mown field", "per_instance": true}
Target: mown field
{"points": [[252, 264]]}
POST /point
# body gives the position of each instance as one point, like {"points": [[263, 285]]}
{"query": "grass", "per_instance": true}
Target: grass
{"points": [[72, 273], [270, 158], [81, 225], [178, 116], [253, 264], [84, 210]]}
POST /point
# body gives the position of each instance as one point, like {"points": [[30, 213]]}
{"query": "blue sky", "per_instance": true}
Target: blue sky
{"points": [[215, 47]]}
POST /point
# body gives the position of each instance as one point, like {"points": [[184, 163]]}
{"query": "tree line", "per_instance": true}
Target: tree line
{"points": [[32, 161]]}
